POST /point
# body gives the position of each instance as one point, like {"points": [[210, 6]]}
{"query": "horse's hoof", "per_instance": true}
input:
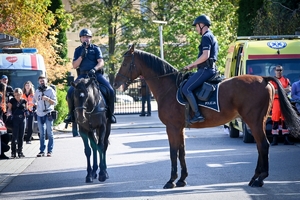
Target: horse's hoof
{"points": [[88, 179], [256, 183], [251, 182], [169, 185], [103, 176], [94, 176], [180, 183]]}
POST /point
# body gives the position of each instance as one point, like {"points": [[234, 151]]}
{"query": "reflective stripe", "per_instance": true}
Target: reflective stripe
{"points": [[274, 132], [29, 100]]}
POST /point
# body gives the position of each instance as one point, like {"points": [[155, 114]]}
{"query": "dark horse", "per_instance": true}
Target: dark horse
{"points": [[247, 96], [90, 114]]}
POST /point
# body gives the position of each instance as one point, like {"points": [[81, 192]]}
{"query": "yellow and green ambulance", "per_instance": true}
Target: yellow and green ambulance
{"points": [[259, 55]]}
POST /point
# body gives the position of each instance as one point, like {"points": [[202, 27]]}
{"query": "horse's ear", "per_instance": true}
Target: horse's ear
{"points": [[131, 48]]}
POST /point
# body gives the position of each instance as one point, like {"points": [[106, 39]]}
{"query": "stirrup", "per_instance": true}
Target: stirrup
{"points": [[196, 119], [69, 119], [112, 119]]}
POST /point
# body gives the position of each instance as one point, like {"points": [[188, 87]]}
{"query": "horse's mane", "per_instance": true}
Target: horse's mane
{"points": [[159, 66]]}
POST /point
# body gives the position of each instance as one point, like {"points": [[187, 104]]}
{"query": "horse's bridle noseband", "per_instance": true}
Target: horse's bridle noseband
{"points": [[131, 68]]}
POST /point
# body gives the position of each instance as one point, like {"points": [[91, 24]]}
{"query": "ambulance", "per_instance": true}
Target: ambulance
{"points": [[259, 55], [21, 65]]}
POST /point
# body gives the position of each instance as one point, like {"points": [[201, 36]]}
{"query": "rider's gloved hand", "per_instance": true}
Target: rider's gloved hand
{"points": [[83, 53], [92, 72]]}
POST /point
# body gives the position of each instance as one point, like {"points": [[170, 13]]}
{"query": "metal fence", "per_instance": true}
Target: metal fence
{"points": [[130, 101]]}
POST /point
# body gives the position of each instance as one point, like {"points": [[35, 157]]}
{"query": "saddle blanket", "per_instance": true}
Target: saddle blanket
{"points": [[212, 103]]}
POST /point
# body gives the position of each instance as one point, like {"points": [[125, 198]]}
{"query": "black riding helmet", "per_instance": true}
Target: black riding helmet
{"points": [[85, 32], [202, 19]]}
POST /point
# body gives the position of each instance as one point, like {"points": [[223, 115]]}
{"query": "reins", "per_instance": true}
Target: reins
{"points": [[94, 106]]}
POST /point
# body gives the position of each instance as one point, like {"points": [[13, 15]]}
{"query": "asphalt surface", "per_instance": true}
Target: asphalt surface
{"points": [[13, 167]]}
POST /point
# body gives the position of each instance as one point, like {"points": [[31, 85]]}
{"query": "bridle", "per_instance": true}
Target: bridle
{"points": [[132, 67], [86, 91]]}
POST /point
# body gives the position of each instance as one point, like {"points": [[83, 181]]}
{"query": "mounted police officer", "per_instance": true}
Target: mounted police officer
{"points": [[205, 63], [88, 59]]}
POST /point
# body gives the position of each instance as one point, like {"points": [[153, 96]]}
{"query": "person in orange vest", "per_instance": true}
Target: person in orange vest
{"points": [[277, 118], [28, 94], [4, 137]]}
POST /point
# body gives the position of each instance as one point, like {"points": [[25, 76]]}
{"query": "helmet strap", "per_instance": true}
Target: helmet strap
{"points": [[201, 28]]}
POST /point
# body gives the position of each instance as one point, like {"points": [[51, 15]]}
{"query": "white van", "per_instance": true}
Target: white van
{"points": [[21, 65]]}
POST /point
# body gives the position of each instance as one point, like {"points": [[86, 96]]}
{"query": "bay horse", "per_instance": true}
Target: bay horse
{"points": [[90, 114], [247, 96]]}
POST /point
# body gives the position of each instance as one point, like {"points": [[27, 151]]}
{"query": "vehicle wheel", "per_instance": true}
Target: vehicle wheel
{"points": [[233, 133], [247, 137]]}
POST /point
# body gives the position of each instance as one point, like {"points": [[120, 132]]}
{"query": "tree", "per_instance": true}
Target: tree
{"points": [[60, 26], [125, 22], [30, 21], [277, 18], [246, 14]]}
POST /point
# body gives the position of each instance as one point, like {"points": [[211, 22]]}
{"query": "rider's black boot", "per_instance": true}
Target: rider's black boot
{"points": [[274, 142], [192, 101], [70, 117], [111, 109]]}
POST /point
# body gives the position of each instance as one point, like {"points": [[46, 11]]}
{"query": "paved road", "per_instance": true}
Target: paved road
{"points": [[139, 166]]}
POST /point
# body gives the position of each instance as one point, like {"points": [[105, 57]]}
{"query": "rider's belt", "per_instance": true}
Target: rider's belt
{"points": [[202, 65], [86, 72]]}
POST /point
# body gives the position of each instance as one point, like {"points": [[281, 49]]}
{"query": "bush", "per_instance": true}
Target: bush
{"points": [[62, 105]]}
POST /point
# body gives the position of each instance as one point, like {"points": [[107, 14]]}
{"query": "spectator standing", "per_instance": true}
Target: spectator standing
{"points": [[277, 117], [28, 94], [146, 97], [17, 107], [296, 94], [9, 89], [45, 100], [5, 137]]}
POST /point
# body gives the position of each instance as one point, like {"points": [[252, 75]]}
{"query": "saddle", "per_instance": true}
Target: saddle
{"points": [[204, 93]]}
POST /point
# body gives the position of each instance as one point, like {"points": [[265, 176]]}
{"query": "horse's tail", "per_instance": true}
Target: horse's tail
{"points": [[290, 116]]}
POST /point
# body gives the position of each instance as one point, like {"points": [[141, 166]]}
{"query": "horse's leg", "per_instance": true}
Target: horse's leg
{"points": [[93, 141], [262, 167], [181, 182], [176, 142], [102, 146], [87, 152]]}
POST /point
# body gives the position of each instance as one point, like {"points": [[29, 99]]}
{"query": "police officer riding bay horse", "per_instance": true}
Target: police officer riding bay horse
{"points": [[247, 96]]}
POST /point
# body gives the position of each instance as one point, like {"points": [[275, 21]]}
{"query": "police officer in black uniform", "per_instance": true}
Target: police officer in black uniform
{"points": [[88, 59], [205, 63]]}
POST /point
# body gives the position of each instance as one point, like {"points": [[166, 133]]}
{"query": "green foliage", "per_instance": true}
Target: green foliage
{"points": [[62, 106], [123, 23], [277, 18], [62, 21], [246, 14]]}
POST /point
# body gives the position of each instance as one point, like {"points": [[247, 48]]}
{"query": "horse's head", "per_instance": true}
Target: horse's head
{"points": [[128, 70], [82, 98]]}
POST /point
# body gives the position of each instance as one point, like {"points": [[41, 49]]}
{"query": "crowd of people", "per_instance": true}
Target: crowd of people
{"points": [[19, 107]]}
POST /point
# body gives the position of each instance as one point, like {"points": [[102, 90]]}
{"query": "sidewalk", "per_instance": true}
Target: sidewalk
{"points": [[126, 122], [13, 167]]}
